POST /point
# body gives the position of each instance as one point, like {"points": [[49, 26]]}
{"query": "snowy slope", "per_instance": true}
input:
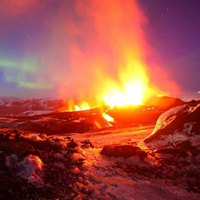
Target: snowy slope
{"points": [[14, 106], [179, 124]]}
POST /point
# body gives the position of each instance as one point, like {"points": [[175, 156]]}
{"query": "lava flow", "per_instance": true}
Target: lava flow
{"points": [[82, 106]]}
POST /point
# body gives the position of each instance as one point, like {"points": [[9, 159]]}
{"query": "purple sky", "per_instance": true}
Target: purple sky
{"points": [[32, 35], [175, 31]]}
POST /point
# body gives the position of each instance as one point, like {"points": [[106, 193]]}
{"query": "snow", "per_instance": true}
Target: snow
{"points": [[31, 106], [75, 157], [107, 182], [182, 133], [162, 122], [108, 136], [133, 160], [33, 136], [11, 160], [59, 156], [31, 170], [104, 181], [167, 141], [59, 165], [35, 112], [101, 177]]}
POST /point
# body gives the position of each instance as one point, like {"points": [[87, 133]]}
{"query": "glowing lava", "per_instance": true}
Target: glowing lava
{"points": [[131, 94], [108, 117], [82, 106], [108, 54], [132, 88]]}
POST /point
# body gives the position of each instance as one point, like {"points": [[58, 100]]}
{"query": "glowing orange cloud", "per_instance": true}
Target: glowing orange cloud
{"points": [[105, 48], [94, 48]]}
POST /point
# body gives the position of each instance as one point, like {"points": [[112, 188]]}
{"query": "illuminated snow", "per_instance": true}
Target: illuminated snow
{"points": [[31, 170], [171, 114]]}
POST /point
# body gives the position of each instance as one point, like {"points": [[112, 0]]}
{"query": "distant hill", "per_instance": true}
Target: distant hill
{"points": [[165, 102], [18, 106]]}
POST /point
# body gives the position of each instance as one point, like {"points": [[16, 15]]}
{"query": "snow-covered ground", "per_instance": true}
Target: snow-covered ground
{"points": [[119, 162], [112, 135], [85, 173], [34, 112], [109, 182]]}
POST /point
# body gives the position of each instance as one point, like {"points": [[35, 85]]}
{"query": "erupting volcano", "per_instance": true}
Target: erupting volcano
{"points": [[96, 114], [108, 54]]}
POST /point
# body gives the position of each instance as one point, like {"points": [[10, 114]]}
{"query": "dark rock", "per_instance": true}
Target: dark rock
{"points": [[2, 158], [20, 148], [15, 131], [72, 144], [184, 145], [174, 151], [87, 144], [181, 122], [69, 138], [196, 128], [123, 151]]}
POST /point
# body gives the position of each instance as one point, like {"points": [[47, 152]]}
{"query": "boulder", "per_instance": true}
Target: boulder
{"points": [[125, 151], [20, 148], [178, 128]]}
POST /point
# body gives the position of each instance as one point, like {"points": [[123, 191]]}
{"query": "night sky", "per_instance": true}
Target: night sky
{"points": [[174, 30], [46, 47]]}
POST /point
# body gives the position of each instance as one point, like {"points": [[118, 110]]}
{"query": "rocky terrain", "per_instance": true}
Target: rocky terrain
{"points": [[149, 160], [13, 106]]}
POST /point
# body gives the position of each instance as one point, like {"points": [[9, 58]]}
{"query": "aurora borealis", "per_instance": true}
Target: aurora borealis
{"points": [[61, 48]]}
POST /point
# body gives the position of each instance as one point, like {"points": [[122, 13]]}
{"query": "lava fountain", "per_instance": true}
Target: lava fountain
{"points": [[130, 86], [106, 52]]}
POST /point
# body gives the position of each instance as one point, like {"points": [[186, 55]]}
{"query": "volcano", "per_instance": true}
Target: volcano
{"points": [[111, 129]]}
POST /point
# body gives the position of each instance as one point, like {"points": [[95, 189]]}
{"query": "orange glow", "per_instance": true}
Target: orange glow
{"points": [[108, 55], [71, 106], [124, 76], [133, 88], [83, 106], [108, 117], [98, 125], [131, 94]]}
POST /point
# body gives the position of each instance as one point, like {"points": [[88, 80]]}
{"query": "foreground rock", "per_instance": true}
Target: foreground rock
{"points": [[175, 144], [178, 125], [19, 148], [123, 151], [69, 168], [59, 122], [34, 166]]}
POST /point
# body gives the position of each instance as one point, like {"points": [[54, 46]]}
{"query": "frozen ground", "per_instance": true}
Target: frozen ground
{"points": [[113, 135], [66, 171], [110, 182]]}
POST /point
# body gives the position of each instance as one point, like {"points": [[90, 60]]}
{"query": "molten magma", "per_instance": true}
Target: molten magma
{"points": [[133, 87], [107, 53], [108, 117], [121, 65], [131, 94], [82, 106]]}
